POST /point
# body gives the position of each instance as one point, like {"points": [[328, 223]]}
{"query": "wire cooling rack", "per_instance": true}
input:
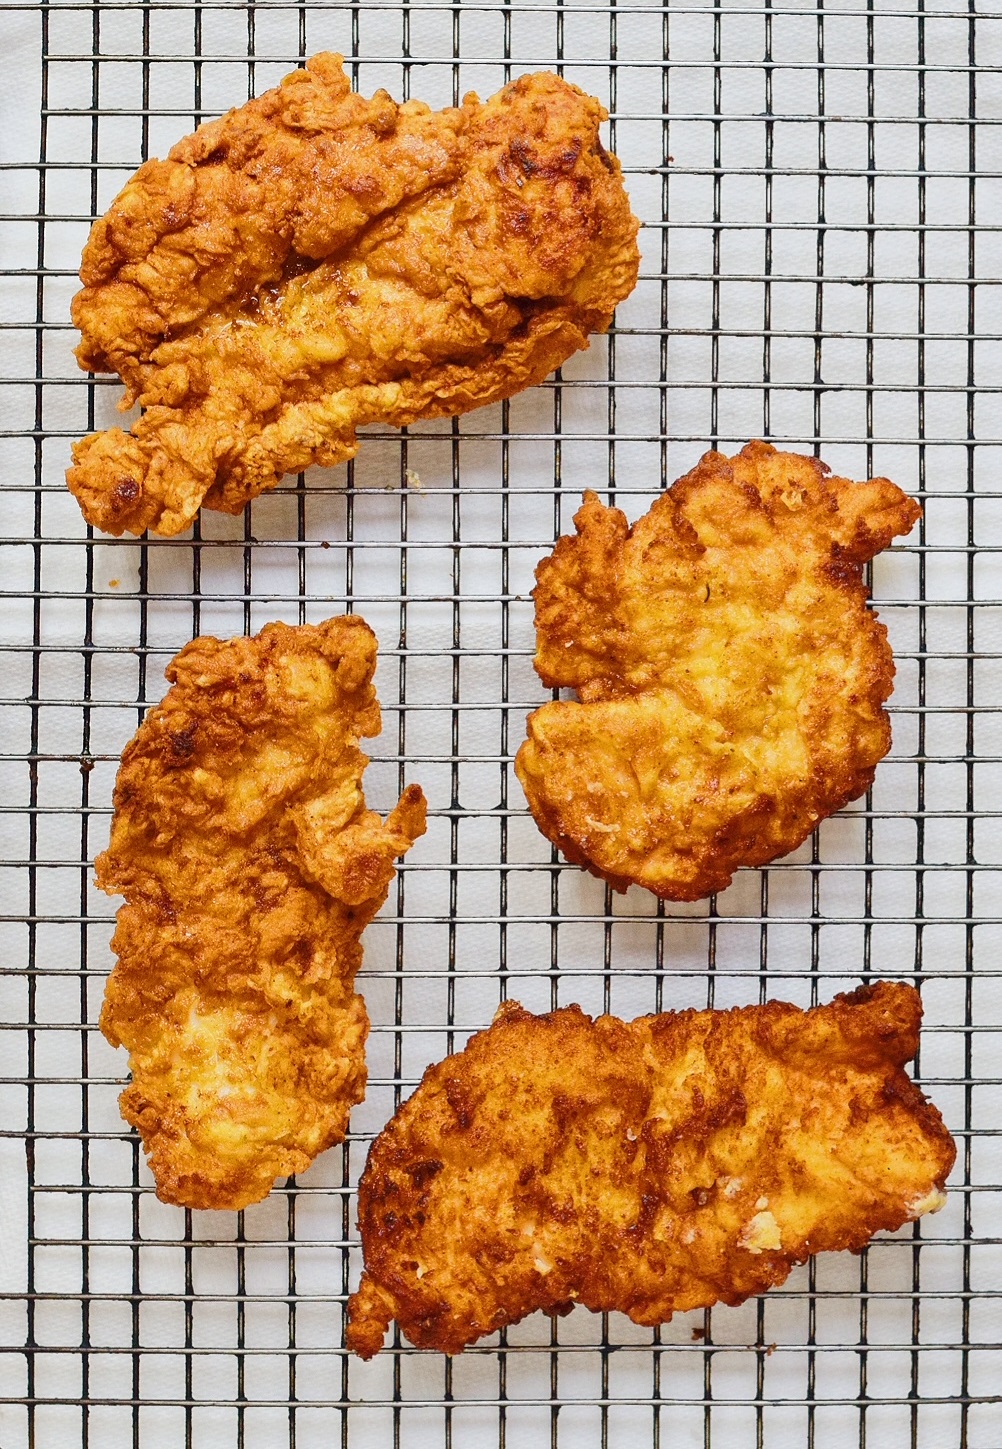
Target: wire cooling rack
{"points": [[819, 187]]}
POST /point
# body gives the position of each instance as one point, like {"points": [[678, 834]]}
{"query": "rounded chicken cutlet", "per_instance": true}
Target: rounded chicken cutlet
{"points": [[647, 1167], [315, 261], [250, 867], [730, 677]]}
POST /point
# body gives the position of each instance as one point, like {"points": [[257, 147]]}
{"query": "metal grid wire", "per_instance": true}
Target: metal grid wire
{"points": [[819, 188]]}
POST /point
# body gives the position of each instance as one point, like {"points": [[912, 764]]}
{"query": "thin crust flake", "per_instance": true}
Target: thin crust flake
{"points": [[250, 867], [730, 677], [315, 261], [648, 1167]]}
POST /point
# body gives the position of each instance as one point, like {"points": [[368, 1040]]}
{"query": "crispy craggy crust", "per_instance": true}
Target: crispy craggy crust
{"points": [[730, 677], [651, 1166], [250, 867], [316, 261]]}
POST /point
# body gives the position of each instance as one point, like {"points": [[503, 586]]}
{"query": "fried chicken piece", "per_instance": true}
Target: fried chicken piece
{"points": [[314, 261], [649, 1167], [250, 867], [730, 677]]}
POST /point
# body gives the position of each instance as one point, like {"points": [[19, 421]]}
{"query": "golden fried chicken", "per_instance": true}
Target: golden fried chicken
{"points": [[250, 867], [315, 261], [650, 1166], [731, 679]]}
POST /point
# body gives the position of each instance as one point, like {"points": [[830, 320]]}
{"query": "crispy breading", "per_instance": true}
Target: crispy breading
{"points": [[730, 676], [314, 261], [250, 867], [649, 1167]]}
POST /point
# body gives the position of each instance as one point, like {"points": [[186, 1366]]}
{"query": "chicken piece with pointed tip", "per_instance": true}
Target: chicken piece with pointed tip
{"points": [[315, 261], [644, 1167]]}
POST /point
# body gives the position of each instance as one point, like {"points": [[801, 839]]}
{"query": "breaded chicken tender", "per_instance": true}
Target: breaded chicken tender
{"points": [[730, 676], [649, 1167], [315, 261], [250, 867]]}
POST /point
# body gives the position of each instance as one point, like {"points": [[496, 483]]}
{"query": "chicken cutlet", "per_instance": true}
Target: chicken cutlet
{"points": [[730, 678], [250, 867], [315, 261], [648, 1167]]}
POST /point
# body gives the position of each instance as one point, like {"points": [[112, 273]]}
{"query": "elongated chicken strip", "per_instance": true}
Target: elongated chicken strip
{"points": [[730, 677], [314, 261], [650, 1166], [250, 867]]}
